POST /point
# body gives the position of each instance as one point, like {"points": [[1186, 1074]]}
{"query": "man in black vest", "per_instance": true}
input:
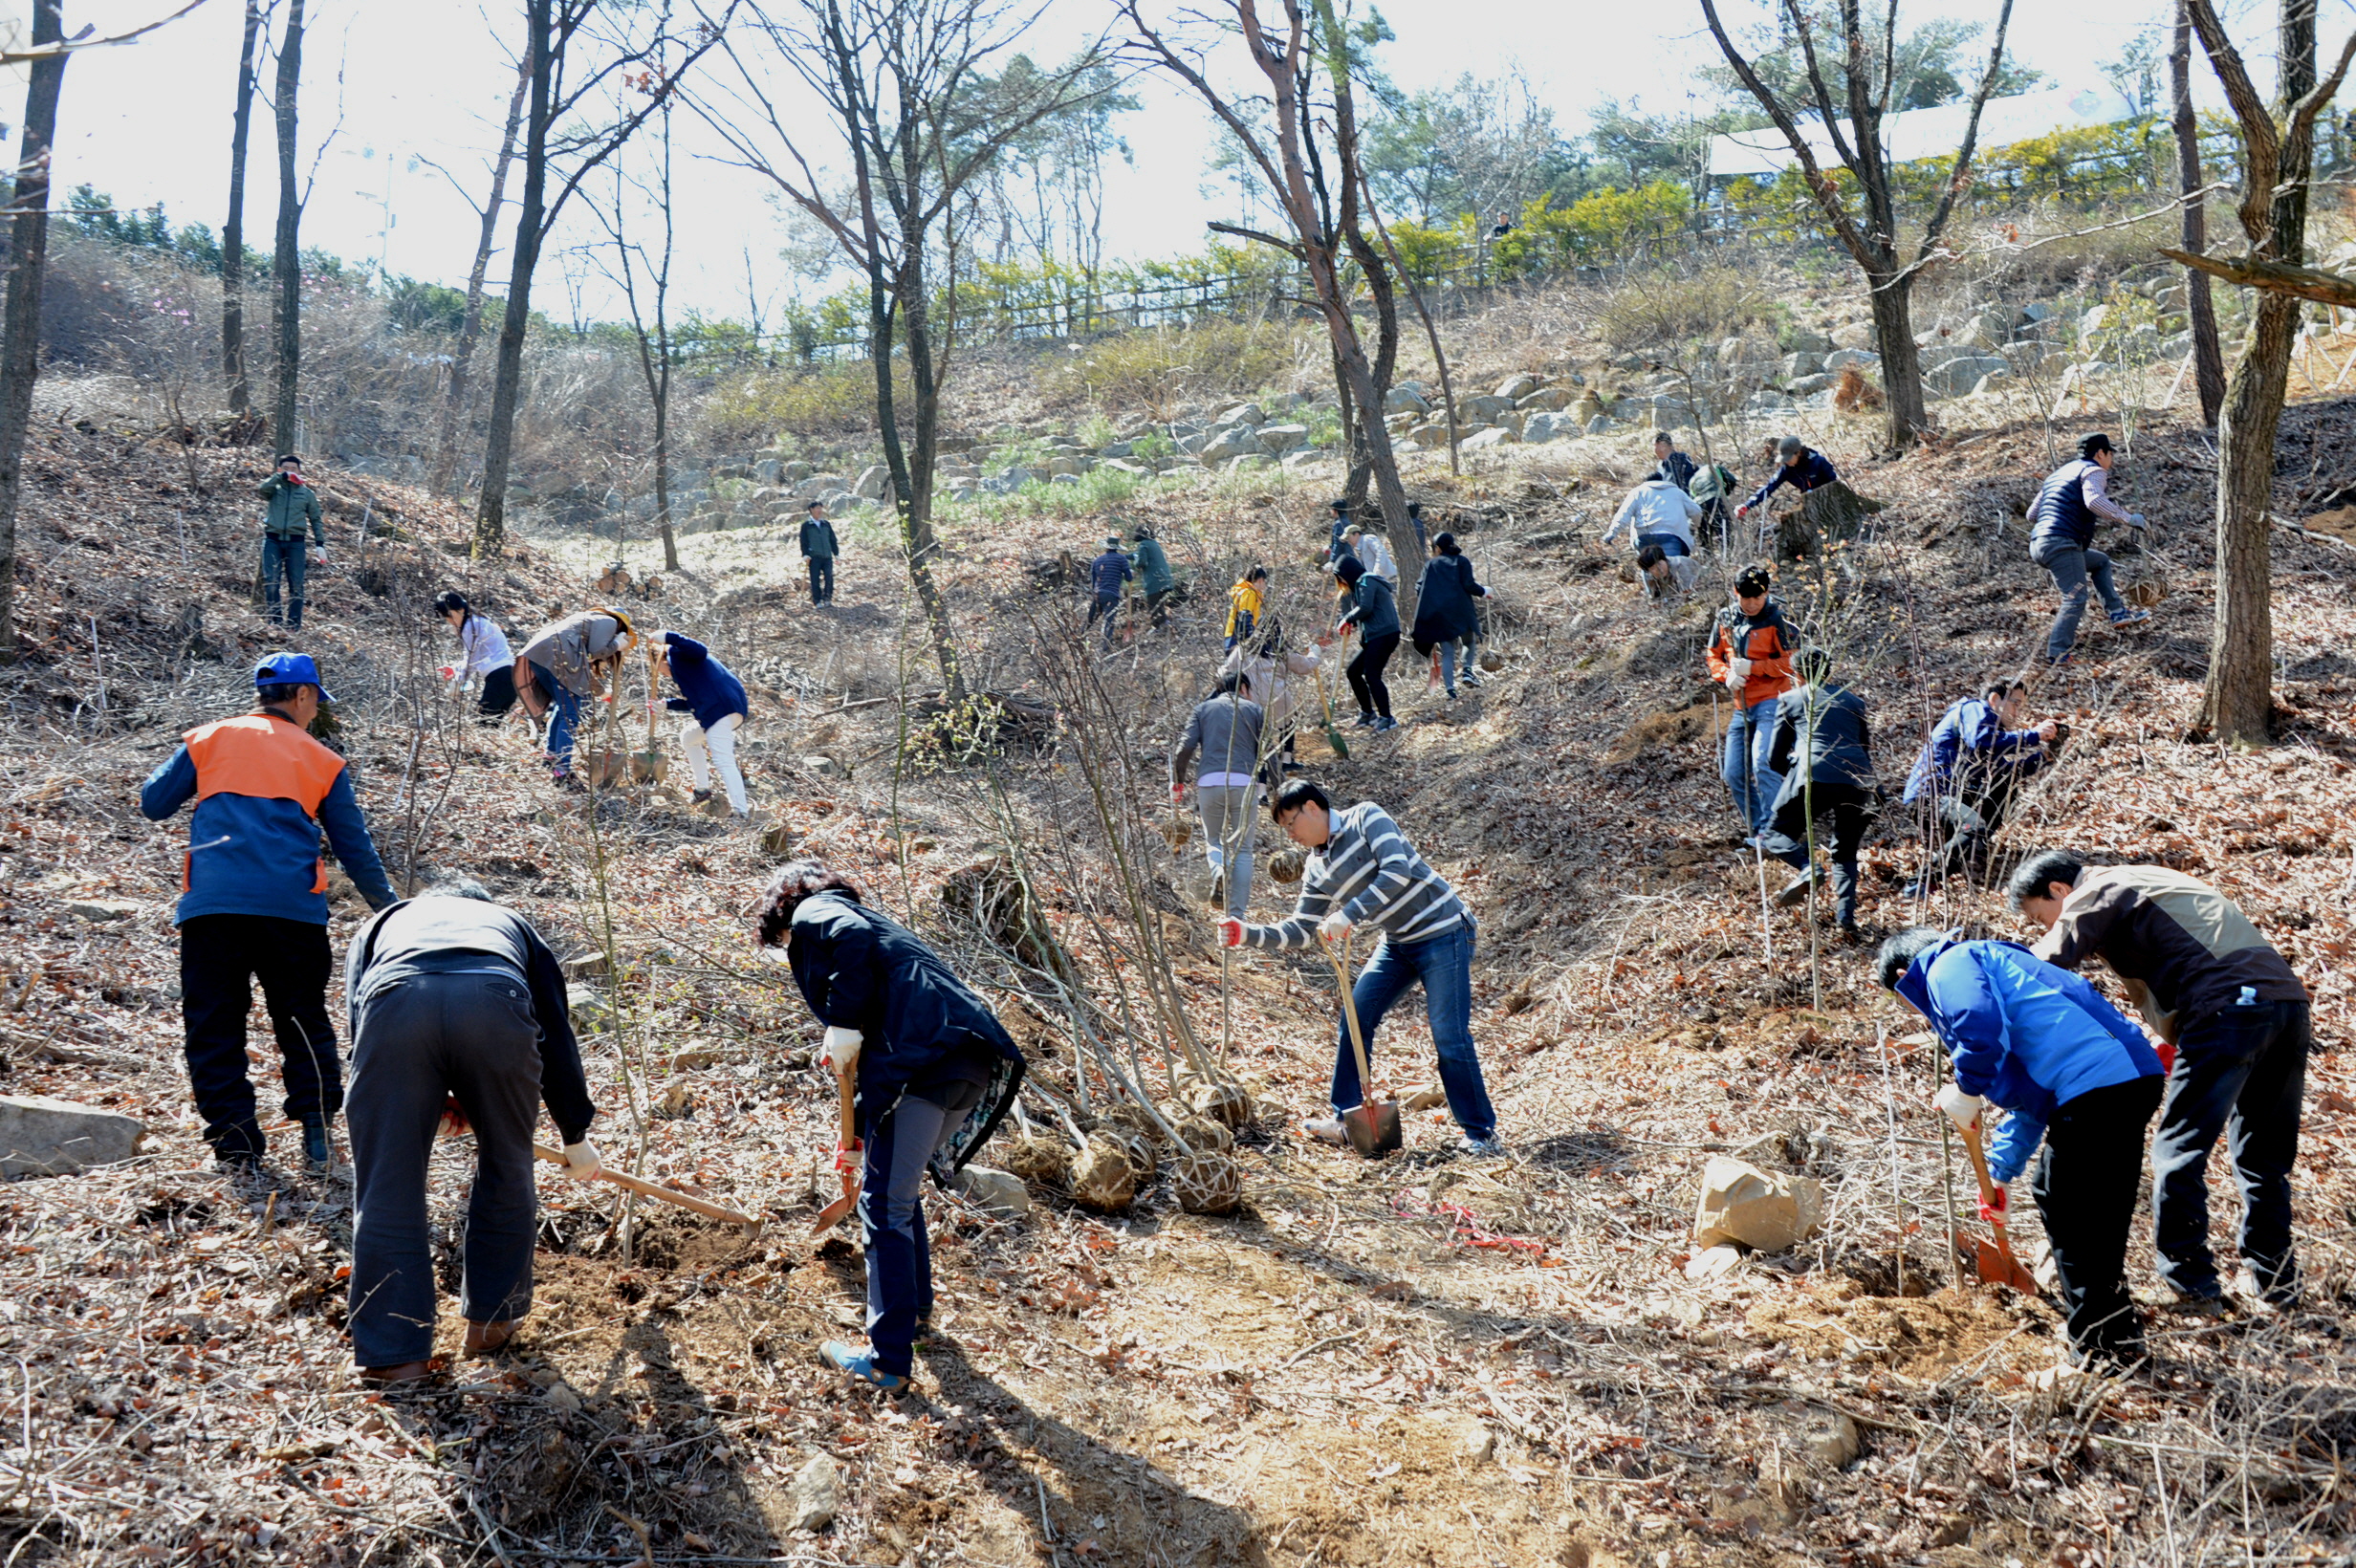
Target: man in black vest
{"points": [[2074, 500]]}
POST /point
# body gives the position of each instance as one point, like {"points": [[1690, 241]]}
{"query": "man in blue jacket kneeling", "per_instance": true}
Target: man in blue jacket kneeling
{"points": [[2041, 1043]]}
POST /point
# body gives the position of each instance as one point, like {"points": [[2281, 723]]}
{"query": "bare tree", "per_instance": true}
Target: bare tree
{"points": [[286, 264], [1278, 146], [2279, 154], [908, 99], [2208, 357], [1869, 67], [234, 227], [20, 326], [634, 269], [556, 33], [471, 326]]}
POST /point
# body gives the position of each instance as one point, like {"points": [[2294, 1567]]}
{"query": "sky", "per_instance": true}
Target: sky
{"points": [[409, 88]]}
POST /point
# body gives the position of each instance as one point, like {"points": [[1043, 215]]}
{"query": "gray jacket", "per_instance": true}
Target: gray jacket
{"points": [[567, 648], [1222, 737]]}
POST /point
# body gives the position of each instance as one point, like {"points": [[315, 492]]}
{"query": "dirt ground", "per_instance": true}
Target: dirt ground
{"points": [[1423, 1361]]}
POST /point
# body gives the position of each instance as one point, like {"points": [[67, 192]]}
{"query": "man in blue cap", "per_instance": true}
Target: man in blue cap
{"points": [[254, 902]]}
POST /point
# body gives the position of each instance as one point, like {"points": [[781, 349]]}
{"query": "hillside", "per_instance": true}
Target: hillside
{"points": [[1424, 1360]]}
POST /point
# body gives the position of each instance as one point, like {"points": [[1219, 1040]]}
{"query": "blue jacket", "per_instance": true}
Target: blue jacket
{"points": [[859, 969], [1969, 725], [2065, 514], [707, 689], [1813, 469], [1108, 572], [1375, 609], [262, 789], [2024, 1035]]}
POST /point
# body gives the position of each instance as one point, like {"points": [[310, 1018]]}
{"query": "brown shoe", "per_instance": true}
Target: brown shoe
{"points": [[486, 1339], [405, 1372]]}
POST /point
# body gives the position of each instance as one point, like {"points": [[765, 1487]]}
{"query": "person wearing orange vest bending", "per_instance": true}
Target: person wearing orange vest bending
{"points": [[254, 903]]}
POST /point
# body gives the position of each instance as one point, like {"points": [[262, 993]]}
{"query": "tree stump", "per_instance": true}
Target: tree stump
{"points": [[1829, 514]]}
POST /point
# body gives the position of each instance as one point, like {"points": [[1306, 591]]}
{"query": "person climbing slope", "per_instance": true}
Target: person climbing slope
{"points": [[482, 651], [1375, 613], [713, 700]]}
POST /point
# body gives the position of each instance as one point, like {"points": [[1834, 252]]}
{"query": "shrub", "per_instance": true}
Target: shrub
{"points": [[827, 399], [1159, 367]]}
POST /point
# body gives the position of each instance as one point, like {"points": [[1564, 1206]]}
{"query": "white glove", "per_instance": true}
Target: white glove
{"points": [[580, 1160], [1962, 1109], [1334, 926], [2135, 519], [840, 1053]]}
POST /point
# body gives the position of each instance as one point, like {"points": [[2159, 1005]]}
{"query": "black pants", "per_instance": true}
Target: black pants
{"points": [[418, 1041], [2087, 1183], [2242, 1069], [498, 694], [220, 958], [1159, 602], [1365, 674], [822, 580], [1109, 607], [1851, 811]]}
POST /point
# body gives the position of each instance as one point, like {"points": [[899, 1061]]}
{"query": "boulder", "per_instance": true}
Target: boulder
{"points": [[1853, 335], [873, 481], [1228, 442], [1000, 1192], [1545, 397], [1121, 465], [1514, 388], [1599, 425], [1801, 386], [1471, 410], [768, 470], [1249, 460], [816, 1496], [1863, 358], [1792, 366], [1434, 433], [1405, 398], [1992, 381], [1761, 1209], [2093, 321], [1952, 378], [1064, 465], [1481, 441], [44, 1136], [1549, 427], [1283, 438], [1244, 413], [796, 471], [1805, 340], [2037, 310]]}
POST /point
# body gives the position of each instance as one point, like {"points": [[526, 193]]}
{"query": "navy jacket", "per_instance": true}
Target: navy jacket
{"points": [[1830, 722], [1108, 572], [707, 688], [1444, 610], [1813, 469], [2024, 1035], [817, 538], [859, 969], [1375, 609], [1970, 741], [2069, 505]]}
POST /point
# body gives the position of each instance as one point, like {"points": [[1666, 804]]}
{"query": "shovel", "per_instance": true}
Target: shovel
{"points": [[649, 766], [850, 1153], [1332, 731], [1372, 1125], [1995, 1264], [647, 1189]]}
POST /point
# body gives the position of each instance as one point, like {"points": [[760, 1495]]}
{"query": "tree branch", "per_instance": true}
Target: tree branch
{"points": [[2274, 277]]}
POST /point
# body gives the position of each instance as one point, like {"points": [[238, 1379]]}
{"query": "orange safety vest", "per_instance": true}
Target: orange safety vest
{"points": [[265, 756]]}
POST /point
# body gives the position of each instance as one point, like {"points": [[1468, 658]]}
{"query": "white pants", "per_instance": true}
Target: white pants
{"points": [[720, 741]]}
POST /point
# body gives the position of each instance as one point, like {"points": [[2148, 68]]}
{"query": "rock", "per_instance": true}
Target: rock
{"points": [[873, 481], [819, 767], [796, 471], [1832, 1440], [1121, 465], [816, 1496], [1863, 358], [584, 966], [1599, 425], [1249, 460], [1545, 397], [1405, 398], [98, 911], [769, 470], [1991, 383], [1757, 1208], [1432, 434], [1957, 376], [1481, 441], [1712, 1261], [1517, 387], [999, 1191], [1803, 387], [1473, 409], [1792, 366], [1853, 335], [1549, 427], [1804, 340], [562, 1399], [1247, 413], [1059, 467], [1477, 1442], [2037, 310], [2093, 320], [1278, 439], [44, 1136], [1230, 442]]}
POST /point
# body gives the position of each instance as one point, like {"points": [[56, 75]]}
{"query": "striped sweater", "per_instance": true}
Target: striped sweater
{"points": [[1369, 870]]}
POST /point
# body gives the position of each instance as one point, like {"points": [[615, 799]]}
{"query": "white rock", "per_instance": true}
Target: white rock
{"points": [[1796, 365], [1244, 413], [1833, 1441], [816, 1496], [44, 1136], [999, 1191], [1761, 1209], [1477, 1442], [1853, 335], [872, 483], [1599, 425], [1712, 1261], [1481, 441], [1863, 358], [1278, 439], [1517, 387], [1405, 398], [562, 1399]]}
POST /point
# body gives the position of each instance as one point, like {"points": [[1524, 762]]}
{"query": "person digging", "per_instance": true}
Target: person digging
{"points": [[929, 1073], [1821, 749], [1361, 871]]}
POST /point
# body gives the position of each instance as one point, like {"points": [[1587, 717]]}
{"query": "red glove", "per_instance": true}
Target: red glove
{"points": [[1178, 793], [1994, 1213], [454, 1123], [449, 672], [2167, 1056], [1231, 932]]}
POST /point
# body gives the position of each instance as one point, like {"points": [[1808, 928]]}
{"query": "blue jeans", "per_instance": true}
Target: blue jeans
{"points": [[891, 1213], [293, 558], [1669, 543], [1749, 738], [1444, 963], [563, 715], [2243, 1068], [2070, 569], [1456, 661]]}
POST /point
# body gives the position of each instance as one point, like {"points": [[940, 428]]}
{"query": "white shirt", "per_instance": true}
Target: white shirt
{"points": [[1656, 507], [482, 645]]}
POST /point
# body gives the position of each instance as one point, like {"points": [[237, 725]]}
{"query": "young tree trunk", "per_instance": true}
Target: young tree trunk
{"points": [[233, 227], [912, 471], [1907, 411], [2239, 698], [20, 326], [470, 328], [286, 265], [2208, 356], [507, 377]]}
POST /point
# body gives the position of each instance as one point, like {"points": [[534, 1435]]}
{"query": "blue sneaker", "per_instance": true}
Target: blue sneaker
{"points": [[2131, 618], [1386, 721], [860, 1364]]}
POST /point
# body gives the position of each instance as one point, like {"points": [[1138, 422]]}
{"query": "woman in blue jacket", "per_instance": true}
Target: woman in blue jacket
{"points": [[713, 701], [2043, 1045], [936, 1074]]}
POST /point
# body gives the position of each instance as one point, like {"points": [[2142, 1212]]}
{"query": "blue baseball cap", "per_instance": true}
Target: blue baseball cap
{"points": [[291, 669]]}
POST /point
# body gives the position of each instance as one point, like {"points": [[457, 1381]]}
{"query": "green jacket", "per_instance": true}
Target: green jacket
{"points": [[290, 505], [1153, 573]]}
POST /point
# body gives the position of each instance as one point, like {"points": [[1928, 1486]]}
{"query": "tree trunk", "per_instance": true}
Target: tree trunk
{"points": [[20, 326], [2208, 356], [1902, 363], [1397, 525], [1360, 471], [470, 328], [912, 473], [507, 377], [662, 469], [233, 227], [286, 263], [2239, 701]]}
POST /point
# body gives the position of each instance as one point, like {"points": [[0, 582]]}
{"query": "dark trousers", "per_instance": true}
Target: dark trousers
{"points": [[1107, 607], [418, 1041], [891, 1213], [1159, 602], [1850, 811], [822, 580], [220, 958], [2087, 1183], [1365, 674], [293, 558], [498, 694], [2243, 1068]]}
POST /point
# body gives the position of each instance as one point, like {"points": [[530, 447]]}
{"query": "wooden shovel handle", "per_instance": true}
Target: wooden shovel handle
{"points": [[607, 1173], [1988, 1192], [1349, 1014]]}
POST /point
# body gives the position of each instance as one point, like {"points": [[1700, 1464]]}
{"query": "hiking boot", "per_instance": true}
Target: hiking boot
{"points": [[1325, 1129], [489, 1339], [2186, 1304], [1386, 721], [382, 1377], [699, 798], [1480, 1148], [318, 1153], [1365, 721], [1849, 933], [861, 1366], [2131, 618], [1795, 891]]}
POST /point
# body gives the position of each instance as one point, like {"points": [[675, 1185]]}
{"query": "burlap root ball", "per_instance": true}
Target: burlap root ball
{"points": [[1208, 1183], [1225, 1102], [1285, 866], [1039, 1157], [1137, 1150], [1492, 661], [1177, 832], [1199, 1135], [1101, 1178], [1124, 1116]]}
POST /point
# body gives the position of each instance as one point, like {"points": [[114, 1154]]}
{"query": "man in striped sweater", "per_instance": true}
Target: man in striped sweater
{"points": [[1361, 871]]}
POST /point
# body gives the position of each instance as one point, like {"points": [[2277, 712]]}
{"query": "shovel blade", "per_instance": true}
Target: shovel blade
{"points": [[1333, 738], [1996, 1265], [1372, 1128]]}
